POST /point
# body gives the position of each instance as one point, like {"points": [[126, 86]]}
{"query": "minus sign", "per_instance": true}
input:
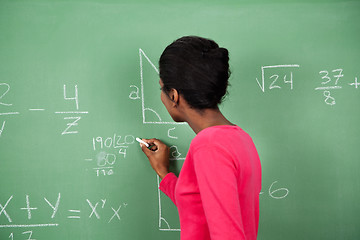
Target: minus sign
{"points": [[9, 113], [71, 112], [88, 159], [36, 109]]}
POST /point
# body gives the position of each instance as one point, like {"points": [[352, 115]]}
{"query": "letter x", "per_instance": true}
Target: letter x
{"points": [[93, 209], [2, 210], [116, 213]]}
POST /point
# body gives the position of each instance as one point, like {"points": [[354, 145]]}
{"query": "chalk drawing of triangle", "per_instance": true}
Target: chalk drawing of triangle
{"points": [[152, 109]]}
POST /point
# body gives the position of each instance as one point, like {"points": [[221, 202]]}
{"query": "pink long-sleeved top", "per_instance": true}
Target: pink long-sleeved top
{"points": [[217, 191]]}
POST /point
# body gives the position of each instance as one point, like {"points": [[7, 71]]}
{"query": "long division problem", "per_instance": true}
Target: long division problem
{"points": [[108, 151], [71, 117]]}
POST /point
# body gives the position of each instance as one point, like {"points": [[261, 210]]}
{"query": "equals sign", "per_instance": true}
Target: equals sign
{"points": [[74, 211]]}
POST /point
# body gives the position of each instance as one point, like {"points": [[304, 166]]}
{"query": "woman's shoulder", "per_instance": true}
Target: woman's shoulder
{"points": [[217, 135]]}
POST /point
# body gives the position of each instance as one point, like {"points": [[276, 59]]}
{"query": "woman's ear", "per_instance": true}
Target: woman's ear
{"points": [[174, 96]]}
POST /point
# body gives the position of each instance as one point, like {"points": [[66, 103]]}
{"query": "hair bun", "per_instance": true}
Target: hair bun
{"points": [[198, 68], [218, 53], [222, 53]]}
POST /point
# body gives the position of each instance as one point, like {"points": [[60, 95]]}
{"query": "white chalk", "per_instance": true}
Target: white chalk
{"points": [[141, 141]]}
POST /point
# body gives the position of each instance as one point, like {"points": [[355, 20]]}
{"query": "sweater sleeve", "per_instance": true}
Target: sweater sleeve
{"points": [[217, 178], [167, 186]]}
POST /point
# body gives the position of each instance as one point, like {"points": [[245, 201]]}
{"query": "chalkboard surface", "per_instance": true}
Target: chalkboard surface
{"points": [[79, 81]]}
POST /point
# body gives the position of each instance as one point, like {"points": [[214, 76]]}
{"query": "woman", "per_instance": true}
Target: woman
{"points": [[217, 191]]}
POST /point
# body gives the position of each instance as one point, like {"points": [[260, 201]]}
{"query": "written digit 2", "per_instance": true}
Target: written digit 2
{"points": [[7, 86]]}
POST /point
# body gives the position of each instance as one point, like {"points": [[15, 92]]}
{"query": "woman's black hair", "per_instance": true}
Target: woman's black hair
{"points": [[198, 69]]}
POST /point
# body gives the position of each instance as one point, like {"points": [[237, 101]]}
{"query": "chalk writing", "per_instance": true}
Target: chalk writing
{"points": [[28, 208], [30, 235], [9, 113], [36, 109], [2, 128], [56, 207], [75, 98], [279, 78], [2, 209], [329, 99], [356, 84], [116, 213], [71, 211], [135, 94], [162, 219], [330, 82], [29, 225], [94, 210], [11, 236], [71, 124], [105, 161], [74, 117], [4, 90], [174, 153], [115, 141], [276, 194], [171, 136]]}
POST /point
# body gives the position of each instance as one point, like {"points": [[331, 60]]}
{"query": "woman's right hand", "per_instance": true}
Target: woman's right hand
{"points": [[158, 156]]}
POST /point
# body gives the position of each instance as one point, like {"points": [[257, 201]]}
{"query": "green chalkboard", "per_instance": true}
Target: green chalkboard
{"points": [[79, 81]]}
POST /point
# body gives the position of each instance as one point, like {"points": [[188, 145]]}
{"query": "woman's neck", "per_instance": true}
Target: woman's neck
{"points": [[199, 120]]}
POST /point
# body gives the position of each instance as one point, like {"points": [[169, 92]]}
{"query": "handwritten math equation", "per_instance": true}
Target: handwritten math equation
{"points": [[108, 152], [97, 209], [72, 117], [329, 80]]}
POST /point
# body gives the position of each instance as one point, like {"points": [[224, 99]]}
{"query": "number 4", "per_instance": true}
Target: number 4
{"points": [[75, 98], [289, 81]]}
